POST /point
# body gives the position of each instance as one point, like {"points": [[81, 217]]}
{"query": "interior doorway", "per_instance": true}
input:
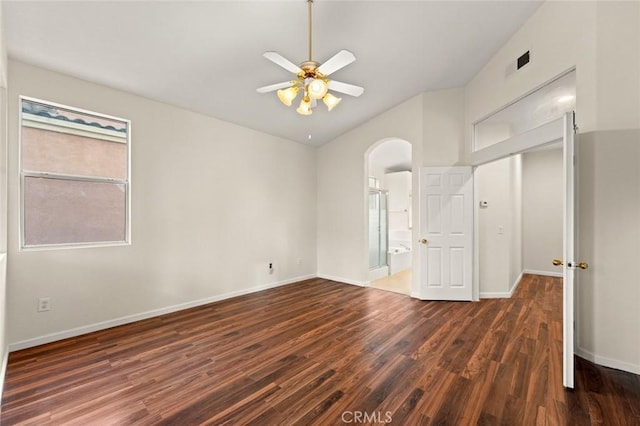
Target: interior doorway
{"points": [[520, 218], [389, 218], [508, 133]]}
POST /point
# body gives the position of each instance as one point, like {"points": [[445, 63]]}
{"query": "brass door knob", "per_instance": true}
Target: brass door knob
{"points": [[583, 265], [423, 241], [557, 262]]}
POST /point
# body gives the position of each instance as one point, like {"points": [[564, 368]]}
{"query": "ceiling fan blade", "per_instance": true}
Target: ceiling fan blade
{"points": [[336, 62], [272, 87], [346, 88], [278, 59]]}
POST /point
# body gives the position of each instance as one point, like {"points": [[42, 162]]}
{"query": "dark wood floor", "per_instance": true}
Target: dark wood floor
{"points": [[320, 352]]}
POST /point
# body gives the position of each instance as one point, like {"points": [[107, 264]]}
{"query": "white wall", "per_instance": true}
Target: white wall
{"points": [[3, 52], [399, 186], [515, 238], [542, 211], [433, 123], [608, 293], [602, 41], [443, 127], [492, 181], [560, 36], [342, 195], [3, 201], [499, 226], [212, 204]]}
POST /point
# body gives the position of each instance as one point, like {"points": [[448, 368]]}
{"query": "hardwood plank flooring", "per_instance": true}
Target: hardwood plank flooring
{"points": [[322, 352]]}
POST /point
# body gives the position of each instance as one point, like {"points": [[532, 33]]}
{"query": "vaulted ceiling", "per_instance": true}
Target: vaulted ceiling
{"points": [[206, 56]]}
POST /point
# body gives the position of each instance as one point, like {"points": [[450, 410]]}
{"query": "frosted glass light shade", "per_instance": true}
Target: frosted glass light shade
{"points": [[317, 88], [305, 107], [287, 96], [331, 101]]}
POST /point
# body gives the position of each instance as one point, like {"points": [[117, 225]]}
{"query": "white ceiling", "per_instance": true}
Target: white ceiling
{"points": [[206, 56]]}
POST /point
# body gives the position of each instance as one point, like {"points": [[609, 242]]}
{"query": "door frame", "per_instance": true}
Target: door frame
{"points": [[549, 133], [561, 129]]}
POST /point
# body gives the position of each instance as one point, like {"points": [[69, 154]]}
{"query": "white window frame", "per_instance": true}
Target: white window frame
{"points": [[79, 178]]}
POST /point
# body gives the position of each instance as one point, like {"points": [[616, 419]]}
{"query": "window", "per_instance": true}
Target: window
{"points": [[535, 109], [74, 170]]}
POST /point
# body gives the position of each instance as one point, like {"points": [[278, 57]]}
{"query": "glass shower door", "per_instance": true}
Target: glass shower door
{"points": [[377, 228]]}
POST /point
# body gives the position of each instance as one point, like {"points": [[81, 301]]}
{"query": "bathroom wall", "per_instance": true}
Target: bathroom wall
{"points": [[399, 186]]}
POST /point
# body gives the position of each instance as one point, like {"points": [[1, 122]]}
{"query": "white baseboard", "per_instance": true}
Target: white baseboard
{"points": [[546, 273], [515, 284], [608, 362], [48, 338], [344, 280], [504, 294]]}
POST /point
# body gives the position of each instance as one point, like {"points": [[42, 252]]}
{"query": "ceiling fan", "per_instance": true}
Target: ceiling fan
{"points": [[311, 77]]}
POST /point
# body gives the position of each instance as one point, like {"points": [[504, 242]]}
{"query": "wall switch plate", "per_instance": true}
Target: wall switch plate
{"points": [[44, 304]]}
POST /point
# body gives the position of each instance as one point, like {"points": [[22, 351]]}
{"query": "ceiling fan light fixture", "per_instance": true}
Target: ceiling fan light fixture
{"points": [[317, 88], [331, 101], [305, 107], [287, 96], [312, 78]]}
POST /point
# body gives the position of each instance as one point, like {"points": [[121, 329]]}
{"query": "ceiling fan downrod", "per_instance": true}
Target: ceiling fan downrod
{"points": [[309, 4]]}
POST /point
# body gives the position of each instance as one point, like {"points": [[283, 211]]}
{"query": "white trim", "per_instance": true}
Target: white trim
{"points": [[545, 273], [515, 284], [538, 136], [518, 99], [344, 280], [476, 239], [53, 337], [21, 176], [3, 372], [607, 362], [504, 294]]}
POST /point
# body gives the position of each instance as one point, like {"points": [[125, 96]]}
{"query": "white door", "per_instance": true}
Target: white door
{"points": [[570, 264], [446, 243]]}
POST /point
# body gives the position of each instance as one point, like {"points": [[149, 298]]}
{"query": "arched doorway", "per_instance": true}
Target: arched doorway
{"points": [[389, 190]]}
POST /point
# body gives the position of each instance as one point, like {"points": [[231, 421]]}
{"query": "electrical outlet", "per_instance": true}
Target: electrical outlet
{"points": [[44, 304], [270, 266]]}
